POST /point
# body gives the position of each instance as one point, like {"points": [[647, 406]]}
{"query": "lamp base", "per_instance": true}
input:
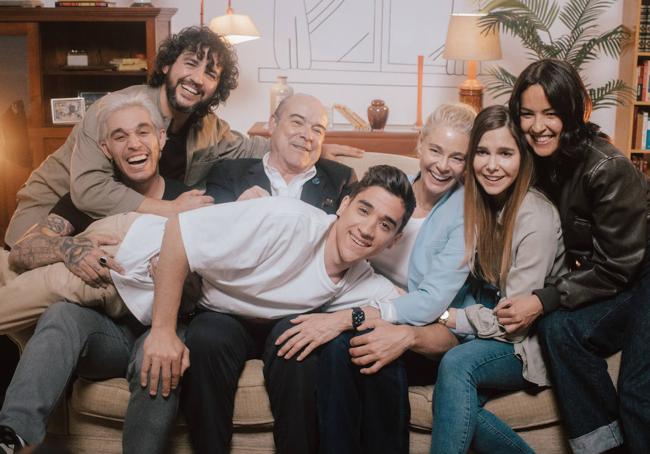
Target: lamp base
{"points": [[472, 97]]}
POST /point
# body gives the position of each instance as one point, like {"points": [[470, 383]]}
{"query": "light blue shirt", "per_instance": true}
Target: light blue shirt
{"points": [[436, 270]]}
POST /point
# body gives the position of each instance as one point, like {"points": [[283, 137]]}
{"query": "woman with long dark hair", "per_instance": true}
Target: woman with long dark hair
{"points": [[513, 241], [602, 305]]}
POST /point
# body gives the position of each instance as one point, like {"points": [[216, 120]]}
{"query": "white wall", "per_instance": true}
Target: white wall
{"points": [[409, 35]]}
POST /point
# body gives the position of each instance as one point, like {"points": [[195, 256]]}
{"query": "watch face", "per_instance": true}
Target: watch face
{"points": [[358, 317]]}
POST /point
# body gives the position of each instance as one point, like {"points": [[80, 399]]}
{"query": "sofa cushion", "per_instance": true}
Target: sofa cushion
{"points": [[108, 399], [520, 410]]}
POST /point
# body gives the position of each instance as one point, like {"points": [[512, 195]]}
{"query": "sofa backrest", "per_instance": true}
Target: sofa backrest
{"points": [[407, 164]]}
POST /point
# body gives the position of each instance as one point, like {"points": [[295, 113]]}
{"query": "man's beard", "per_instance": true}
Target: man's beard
{"points": [[202, 105]]}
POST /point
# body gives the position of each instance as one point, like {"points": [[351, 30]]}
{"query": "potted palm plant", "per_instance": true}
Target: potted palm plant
{"points": [[581, 42]]}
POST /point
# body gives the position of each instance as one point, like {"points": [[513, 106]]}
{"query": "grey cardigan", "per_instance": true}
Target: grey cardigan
{"points": [[537, 252]]}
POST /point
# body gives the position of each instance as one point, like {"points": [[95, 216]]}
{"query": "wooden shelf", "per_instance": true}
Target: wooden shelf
{"points": [[631, 57], [637, 151], [81, 14], [82, 73]]}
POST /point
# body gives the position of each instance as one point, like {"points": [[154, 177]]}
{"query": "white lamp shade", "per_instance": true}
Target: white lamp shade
{"points": [[236, 28], [466, 41]]}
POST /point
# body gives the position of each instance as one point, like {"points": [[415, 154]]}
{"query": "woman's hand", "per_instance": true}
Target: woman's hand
{"points": [[518, 313]]}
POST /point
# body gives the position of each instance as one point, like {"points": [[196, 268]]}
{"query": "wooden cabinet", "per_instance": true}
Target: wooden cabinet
{"points": [[629, 126], [50, 33]]}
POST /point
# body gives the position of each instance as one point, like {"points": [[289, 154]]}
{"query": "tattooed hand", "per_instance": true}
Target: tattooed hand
{"points": [[81, 256]]}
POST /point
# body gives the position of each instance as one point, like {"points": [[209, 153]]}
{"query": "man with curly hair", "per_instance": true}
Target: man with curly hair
{"points": [[195, 71]]}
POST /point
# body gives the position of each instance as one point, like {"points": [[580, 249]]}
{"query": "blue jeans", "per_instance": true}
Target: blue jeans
{"points": [[597, 418], [360, 413], [465, 376], [72, 340]]}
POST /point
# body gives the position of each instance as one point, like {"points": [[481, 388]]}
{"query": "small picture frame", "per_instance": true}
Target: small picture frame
{"points": [[90, 97], [66, 111]]}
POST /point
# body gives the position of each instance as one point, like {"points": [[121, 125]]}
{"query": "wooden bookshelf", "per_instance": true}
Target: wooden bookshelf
{"points": [[630, 59]]}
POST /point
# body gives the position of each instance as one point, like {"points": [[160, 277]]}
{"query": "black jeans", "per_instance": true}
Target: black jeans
{"points": [[575, 344], [361, 413], [219, 346]]}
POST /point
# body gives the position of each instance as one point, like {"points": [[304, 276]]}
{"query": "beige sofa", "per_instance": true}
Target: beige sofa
{"points": [[90, 419]]}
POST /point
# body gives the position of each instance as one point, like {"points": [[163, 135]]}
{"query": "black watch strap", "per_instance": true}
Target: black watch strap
{"points": [[358, 317]]}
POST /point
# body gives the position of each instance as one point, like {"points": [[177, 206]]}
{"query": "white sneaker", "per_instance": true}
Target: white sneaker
{"points": [[10, 442]]}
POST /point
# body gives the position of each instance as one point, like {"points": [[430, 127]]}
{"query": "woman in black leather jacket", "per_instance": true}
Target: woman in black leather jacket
{"points": [[602, 305]]}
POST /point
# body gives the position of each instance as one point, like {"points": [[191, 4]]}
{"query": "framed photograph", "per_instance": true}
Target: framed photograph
{"points": [[67, 110], [91, 96]]}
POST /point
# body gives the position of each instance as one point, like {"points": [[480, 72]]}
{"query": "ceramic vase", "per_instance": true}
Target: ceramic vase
{"points": [[377, 114]]}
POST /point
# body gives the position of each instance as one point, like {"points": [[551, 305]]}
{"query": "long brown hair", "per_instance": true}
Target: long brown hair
{"points": [[489, 227]]}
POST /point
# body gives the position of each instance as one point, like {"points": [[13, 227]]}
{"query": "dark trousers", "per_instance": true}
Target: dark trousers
{"points": [[219, 346], [575, 344], [360, 413]]}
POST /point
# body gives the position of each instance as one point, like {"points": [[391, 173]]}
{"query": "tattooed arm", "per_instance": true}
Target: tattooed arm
{"points": [[49, 242]]}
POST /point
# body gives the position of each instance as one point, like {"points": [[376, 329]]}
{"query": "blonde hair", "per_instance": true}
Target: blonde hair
{"points": [[457, 116], [114, 102]]}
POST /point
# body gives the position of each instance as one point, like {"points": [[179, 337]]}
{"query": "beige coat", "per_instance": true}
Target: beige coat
{"points": [[80, 167], [537, 252]]}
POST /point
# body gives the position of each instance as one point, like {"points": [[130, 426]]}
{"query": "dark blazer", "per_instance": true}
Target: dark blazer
{"points": [[229, 178]]}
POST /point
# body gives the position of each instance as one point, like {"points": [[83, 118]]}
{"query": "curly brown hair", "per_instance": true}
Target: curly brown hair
{"points": [[197, 39]]}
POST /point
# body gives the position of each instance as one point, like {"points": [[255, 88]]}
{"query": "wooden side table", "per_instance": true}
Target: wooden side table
{"points": [[399, 140]]}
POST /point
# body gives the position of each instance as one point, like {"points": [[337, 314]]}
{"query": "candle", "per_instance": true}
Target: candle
{"points": [[418, 120]]}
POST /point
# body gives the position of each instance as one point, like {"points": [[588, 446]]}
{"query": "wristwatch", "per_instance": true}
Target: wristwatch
{"points": [[358, 317], [444, 318]]}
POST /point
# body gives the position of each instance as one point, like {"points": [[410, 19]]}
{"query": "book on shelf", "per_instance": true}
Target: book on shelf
{"points": [[641, 134], [22, 3], [644, 27], [643, 81], [638, 131], [84, 3]]}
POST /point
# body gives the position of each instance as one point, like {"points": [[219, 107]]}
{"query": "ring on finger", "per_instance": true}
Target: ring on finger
{"points": [[103, 261]]}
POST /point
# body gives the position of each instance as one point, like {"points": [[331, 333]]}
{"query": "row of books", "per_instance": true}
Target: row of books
{"points": [[644, 27], [84, 3], [641, 133], [643, 81]]}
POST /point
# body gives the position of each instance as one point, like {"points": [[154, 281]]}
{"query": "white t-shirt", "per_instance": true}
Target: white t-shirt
{"points": [[261, 258], [394, 262]]}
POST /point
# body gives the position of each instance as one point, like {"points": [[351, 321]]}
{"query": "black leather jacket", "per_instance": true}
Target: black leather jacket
{"points": [[604, 211]]}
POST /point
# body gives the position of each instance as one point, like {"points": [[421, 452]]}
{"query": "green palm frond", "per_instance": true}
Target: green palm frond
{"points": [[512, 24], [500, 81], [540, 13], [610, 43], [612, 94], [583, 14]]}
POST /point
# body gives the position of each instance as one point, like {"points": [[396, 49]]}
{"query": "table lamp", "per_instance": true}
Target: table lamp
{"points": [[466, 41], [236, 28]]}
